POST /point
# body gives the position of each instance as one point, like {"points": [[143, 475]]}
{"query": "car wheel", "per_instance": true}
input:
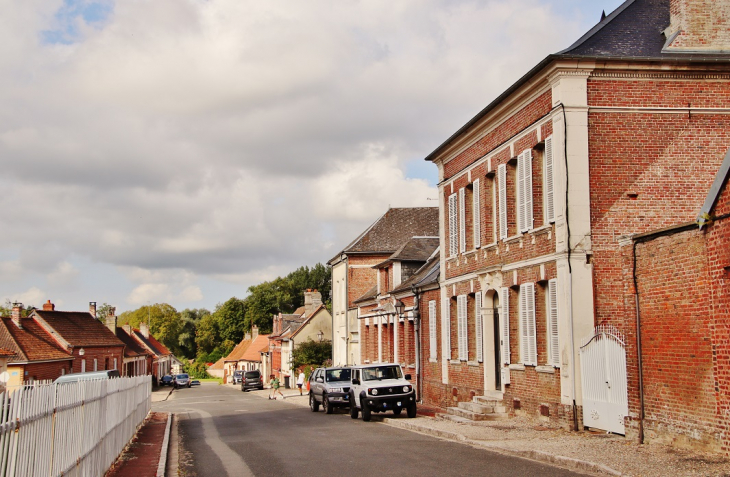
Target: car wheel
{"points": [[397, 410], [411, 410], [313, 404], [326, 405], [366, 412]]}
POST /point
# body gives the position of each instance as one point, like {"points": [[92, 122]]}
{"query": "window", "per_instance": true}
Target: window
{"points": [[528, 342], [432, 329], [502, 191], [446, 327], [115, 363], [552, 325], [549, 181], [504, 318], [83, 365], [106, 363], [479, 331], [453, 234], [477, 215], [462, 220], [95, 365], [525, 219], [461, 323]]}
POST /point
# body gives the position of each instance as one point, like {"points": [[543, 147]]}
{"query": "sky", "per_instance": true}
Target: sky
{"points": [[181, 151]]}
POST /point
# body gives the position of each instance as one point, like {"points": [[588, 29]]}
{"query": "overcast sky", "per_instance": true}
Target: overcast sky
{"points": [[180, 151]]}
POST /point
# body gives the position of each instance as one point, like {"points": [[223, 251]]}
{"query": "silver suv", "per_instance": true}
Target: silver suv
{"points": [[379, 388], [329, 387]]}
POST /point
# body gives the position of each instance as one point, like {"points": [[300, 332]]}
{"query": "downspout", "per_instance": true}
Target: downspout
{"points": [[417, 330]]}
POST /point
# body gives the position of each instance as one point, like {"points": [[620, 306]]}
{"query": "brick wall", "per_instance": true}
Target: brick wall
{"points": [[104, 356], [40, 371]]}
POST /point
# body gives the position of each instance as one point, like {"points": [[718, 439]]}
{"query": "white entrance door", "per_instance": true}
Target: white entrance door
{"points": [[603, 374]]}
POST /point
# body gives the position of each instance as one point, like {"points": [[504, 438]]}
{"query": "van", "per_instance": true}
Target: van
{"points": [[73, 377]]}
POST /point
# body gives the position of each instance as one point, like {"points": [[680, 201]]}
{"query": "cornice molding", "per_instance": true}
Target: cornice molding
{"points": [[649, 75]]}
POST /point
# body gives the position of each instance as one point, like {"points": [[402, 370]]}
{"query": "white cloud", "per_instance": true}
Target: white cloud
{"points": [[176, 142]]}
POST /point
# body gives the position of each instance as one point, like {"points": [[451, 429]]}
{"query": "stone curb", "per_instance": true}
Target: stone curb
{"points": [[165, 443], [568, 462]]}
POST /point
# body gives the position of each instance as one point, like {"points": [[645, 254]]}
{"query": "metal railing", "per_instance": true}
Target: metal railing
{"points": [[70, 429]]}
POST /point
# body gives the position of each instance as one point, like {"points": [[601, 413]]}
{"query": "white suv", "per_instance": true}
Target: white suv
{"points": [[379, 388]]}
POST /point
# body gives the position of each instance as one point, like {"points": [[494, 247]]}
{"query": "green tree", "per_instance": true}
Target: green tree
{"points": [[103, 311], [186, 338], [163, 321], [311, 352]]}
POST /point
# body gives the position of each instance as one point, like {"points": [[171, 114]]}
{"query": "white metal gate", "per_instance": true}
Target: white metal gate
{"points": [[603, 374]]}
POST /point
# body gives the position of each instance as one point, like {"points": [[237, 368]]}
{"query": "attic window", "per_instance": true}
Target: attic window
{"points": [[632, 195]]}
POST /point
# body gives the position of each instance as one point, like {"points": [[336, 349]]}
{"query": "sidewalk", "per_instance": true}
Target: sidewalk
{"points": [[590, 452]]}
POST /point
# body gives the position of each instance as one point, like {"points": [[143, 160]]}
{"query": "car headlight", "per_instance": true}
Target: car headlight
{"points": [[406, 389], [374, 392], [335, 390]]}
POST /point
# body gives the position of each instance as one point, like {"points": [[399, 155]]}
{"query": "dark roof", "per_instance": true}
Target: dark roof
{"points": [[417, 249], [79, 328], [428, 274], [131, 346], [32, 343], [634, 31], [392, 229], [369, 295], [151, 343]]}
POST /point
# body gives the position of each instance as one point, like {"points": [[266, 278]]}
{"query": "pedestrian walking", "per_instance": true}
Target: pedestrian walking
{"points": [[274, 385], [300, 381]]}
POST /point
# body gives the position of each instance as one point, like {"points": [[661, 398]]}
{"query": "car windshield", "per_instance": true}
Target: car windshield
{"points": [[252, 374], [182, 376], [334, 375], [237, 373], [381, 372]]}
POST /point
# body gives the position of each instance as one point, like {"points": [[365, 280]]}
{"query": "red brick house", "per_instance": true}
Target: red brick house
{"points": [[92, 345], [619, 135], [353, 273], [162, 358]]}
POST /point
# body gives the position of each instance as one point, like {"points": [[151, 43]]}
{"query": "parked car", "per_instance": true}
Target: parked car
{"points": [[237, 376], [182, 380], [329, 387], [379, 388], [73, 377], [195, 382], [166, 380], [252, 380]]}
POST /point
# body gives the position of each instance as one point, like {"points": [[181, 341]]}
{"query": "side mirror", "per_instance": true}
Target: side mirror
{"points": [[320, 380], [355, 381], [408, 377]]}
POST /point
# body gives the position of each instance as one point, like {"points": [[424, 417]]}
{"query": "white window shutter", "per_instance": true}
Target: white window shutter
{"points": [[553, 338], [432, 329], [549, 180], [478, 320], [528, 342], [504, 319], [521, 193], [452, 226], [446, 328], [529, 214], [461, 311], [462, 220], [477, 213], [502, 185]]}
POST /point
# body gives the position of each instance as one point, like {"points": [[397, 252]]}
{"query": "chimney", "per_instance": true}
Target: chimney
{"points": [[127, 329], [48, 306], [254, 332], [247, 336], [698, 26], [111, 320], [17, 311], [312, 299], [92, 308], [144, 329]]}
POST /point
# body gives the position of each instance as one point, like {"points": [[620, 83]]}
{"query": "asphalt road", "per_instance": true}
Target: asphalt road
{"points": [[223, 431]]}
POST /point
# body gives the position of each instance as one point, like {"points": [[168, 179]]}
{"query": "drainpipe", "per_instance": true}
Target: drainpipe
{"points": [[417, 330]]}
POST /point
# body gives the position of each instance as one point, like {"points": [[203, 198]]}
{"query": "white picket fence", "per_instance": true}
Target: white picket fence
{"points": [[70, 429]]}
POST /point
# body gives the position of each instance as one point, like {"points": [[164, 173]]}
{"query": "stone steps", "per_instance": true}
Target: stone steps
{"points": [[481, 408]]}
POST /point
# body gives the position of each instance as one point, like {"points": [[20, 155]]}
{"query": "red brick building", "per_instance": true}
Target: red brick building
{"points": [[619, 135]]}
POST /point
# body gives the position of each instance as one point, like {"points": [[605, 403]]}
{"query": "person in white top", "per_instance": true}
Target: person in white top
{"points": [[300, 381]]}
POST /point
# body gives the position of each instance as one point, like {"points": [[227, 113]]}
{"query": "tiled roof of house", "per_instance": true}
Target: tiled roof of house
{"points": [[634, 31], [151, 343], [428, 274], [395, 227], [218, 364], [6, 352], [31, 343], [79, 328], [298, 312], [417, 249], [131, 346], [238, 351], [369, 295], [253, 353], [314, 313]]}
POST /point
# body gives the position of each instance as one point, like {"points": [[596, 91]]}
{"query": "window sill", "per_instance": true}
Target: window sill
{"points": [[547, 369], [514, 238], [517, 367], [454, 361], [542, 230], [433, 360], [488, 246], [473, 363]]}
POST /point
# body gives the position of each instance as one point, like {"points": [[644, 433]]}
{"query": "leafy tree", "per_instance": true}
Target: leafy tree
{"points": [[189, 321], [163, 321], [311, 352], [103, 311], [7, 309]]}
